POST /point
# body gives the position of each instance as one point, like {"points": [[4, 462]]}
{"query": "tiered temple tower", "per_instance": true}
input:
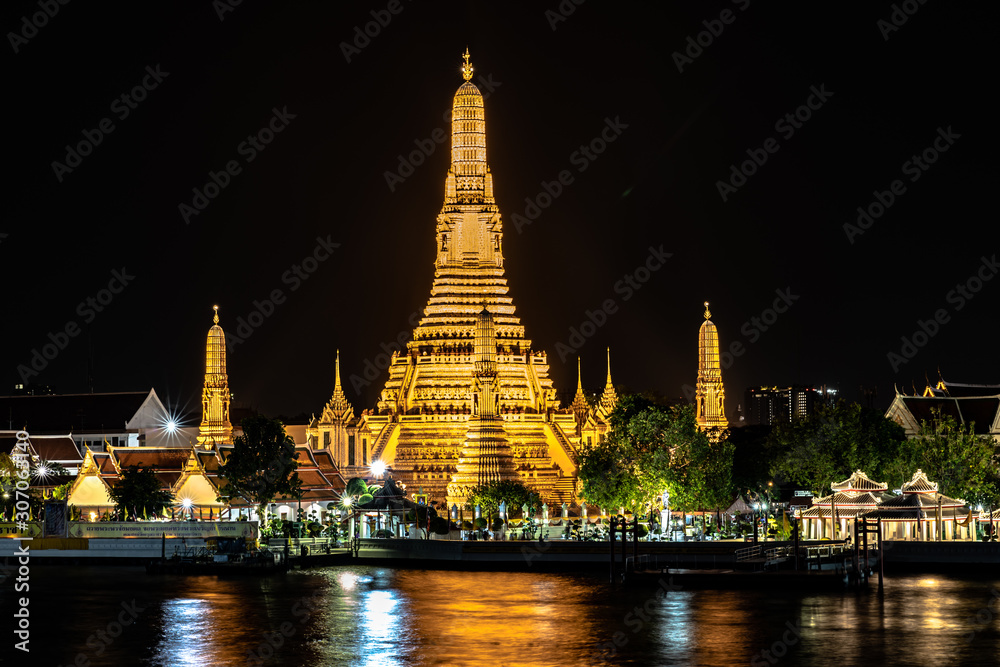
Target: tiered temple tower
{"points": [[710, 394], [422, 418], [485, 457], [215, 427]]}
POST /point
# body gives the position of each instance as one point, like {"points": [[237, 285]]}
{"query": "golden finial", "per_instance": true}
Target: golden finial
{"points": [[216, 317], [466, 66], [708, 313]]}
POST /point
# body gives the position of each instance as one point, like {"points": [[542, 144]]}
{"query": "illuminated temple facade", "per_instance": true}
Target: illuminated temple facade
{"points": [[431, 426]]}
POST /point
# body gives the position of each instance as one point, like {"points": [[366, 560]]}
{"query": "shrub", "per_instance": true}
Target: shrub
{"points": [[439, 525], [356, 487]]}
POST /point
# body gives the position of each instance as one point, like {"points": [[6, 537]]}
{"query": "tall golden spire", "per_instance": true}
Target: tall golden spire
{"points": [[710, 393], [469, 180], [336, 383], [486, 456], [609, 399], [579, 406], [215, 426]]}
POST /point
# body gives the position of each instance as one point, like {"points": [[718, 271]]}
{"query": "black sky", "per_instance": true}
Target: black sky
{"points": [[323, 176]]}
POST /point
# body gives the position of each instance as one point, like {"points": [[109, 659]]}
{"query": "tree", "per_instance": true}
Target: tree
{"points": [[963, 463], [489, 496], [139, 494], [830, 444], [651, 449], [261, 464]]}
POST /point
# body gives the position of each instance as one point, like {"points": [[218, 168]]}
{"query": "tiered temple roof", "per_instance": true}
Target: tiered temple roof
{"points": [[852, 497], [919, 500], [966, 403]]}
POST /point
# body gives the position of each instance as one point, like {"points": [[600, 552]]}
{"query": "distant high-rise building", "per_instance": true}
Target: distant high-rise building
{"points": [[770, 405]]}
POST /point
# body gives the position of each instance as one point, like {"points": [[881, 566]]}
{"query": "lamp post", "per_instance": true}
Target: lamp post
{"points": [[665, 514], [756, 508]]}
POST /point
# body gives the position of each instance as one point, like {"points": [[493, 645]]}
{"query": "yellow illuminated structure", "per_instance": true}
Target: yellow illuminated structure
{"points": [[426, 412], [485, 457], [710, 394], [215, 427]]}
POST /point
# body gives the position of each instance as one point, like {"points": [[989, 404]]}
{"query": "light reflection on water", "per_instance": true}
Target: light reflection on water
{"points": [[373, 617]]}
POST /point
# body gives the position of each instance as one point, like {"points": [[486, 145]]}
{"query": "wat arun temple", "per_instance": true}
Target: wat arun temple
{"points": [[470, 400]]}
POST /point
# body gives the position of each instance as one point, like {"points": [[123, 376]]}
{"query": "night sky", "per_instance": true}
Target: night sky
{"points": [[880, 96]]}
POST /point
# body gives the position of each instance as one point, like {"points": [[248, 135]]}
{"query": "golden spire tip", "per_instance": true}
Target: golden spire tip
{"points": [[466, 66], [215, 318], [708, 313]]}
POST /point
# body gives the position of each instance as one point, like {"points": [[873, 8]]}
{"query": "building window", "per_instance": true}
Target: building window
{"points": [[364, 451], [326, 440], [350, 450]]}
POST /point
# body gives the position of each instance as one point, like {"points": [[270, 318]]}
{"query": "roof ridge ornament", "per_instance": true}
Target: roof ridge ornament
{"points": [[466, 66]]}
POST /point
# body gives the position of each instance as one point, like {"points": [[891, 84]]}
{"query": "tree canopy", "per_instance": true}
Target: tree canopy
{"points": [[652, 449], [261, 465], [139, 494], [962, 463], [828, 445], [489, 497]]}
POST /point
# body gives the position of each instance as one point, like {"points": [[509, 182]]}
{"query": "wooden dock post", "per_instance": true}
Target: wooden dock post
{"points": [[635, 543], [881, 556], [611, 533]]}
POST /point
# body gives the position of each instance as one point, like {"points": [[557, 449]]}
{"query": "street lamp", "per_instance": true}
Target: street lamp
{"points": [[756, 508]]}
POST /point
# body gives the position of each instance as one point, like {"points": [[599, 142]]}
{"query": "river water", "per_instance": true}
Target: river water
{"points": [[376, 616]]}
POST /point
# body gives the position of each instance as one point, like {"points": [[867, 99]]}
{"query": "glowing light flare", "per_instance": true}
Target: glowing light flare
{"points": [[187, 503], [378, 468]]}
